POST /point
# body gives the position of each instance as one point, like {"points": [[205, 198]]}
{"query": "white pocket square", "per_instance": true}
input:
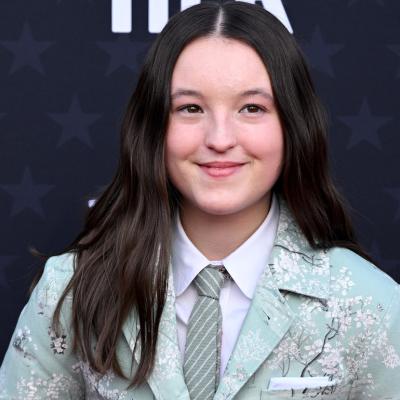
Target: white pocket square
{"points": [[287, 383]]}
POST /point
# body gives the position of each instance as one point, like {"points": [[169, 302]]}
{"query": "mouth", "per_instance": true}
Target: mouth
{"points": [[221, 170]]}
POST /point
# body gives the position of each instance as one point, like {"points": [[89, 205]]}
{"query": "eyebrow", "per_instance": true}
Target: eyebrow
{"points": [[251, 92]]}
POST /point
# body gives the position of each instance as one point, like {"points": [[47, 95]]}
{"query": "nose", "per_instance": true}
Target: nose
{"points": [[220, 134]]}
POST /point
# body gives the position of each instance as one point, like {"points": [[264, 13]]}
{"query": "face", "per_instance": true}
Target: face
{"points": [[224, 142]]}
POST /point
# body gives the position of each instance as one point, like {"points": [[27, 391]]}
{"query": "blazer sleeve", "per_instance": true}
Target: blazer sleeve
{"points": [[379, 363], [39, 364]]}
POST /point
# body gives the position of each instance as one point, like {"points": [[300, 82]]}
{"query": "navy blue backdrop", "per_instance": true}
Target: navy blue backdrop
{"points": [[65, 78]]}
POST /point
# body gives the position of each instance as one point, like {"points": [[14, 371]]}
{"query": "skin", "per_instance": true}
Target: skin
{"points": [[219, 214]]}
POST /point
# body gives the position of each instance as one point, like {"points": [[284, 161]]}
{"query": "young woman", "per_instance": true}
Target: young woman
{"points": [[223, 188]]}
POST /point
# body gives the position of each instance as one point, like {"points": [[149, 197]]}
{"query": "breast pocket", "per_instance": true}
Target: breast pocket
{"points": [[259, 394], [317, 387], [325, 393], [307, 394]]}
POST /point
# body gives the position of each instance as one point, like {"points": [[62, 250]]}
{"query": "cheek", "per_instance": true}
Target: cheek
{"points": [[268, 145], [181, 142]]}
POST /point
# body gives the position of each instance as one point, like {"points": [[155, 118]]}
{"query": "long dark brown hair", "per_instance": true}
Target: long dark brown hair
{"points": [[123, 252]]}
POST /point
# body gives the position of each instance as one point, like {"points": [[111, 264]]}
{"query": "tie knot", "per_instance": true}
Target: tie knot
{"points": [[209, 281]]}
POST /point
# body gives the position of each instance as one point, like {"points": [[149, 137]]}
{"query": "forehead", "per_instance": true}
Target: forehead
{"points": [[219, 63]]}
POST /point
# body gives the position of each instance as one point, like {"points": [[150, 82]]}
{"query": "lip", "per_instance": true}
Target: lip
{"points": [[219, 169], [221, 164]]}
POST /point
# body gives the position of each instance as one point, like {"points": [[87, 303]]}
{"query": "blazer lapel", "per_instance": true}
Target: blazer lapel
{"points": [[293, 266], [166, 380], [267, 321]]}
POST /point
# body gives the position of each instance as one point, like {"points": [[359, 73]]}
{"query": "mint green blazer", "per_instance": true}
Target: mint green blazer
{"points": [[322, 325]]}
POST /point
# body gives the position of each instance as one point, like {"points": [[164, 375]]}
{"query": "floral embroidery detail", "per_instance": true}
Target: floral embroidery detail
{"points": [[251, 346], [390, 357], [97, 384], [58, 343], [231, 383], [167, 366], [343, 282], [53, 388], [49, 293], [21, 340]]}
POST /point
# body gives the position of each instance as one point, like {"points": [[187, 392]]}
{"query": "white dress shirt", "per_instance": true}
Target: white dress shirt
{"points": [[245, 265]]}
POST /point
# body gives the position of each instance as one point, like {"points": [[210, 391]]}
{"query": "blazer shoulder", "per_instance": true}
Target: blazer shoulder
{"points": [[62, 265], [40, 362], [57, 273], [361, 276]]}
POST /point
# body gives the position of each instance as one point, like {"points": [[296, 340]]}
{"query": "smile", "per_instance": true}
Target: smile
{"points": [[217, 172]]}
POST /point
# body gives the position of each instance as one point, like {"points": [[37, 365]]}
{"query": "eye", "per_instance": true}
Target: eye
{"points": [[253, 109], [190, 108], [194, 109]]}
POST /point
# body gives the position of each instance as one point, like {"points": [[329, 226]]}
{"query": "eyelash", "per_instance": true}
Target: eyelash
{"points": [[247, 105]]}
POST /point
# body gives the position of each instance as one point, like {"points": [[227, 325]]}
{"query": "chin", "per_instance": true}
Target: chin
{"points": [[219, 209]]}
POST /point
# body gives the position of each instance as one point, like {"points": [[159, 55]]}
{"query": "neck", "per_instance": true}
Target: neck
{"points": [[216, 236]]}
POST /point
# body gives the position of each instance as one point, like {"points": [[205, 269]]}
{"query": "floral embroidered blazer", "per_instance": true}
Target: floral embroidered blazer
{"points": [[315, 313]]}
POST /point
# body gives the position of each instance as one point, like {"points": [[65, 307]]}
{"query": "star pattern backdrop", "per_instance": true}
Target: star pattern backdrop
{"points": [[65, 79]]}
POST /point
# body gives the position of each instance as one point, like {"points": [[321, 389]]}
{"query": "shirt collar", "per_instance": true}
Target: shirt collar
{"points": [[245, 264]]}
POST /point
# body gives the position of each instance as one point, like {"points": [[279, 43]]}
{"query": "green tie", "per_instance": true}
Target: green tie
{"points": [[203, 341]]}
